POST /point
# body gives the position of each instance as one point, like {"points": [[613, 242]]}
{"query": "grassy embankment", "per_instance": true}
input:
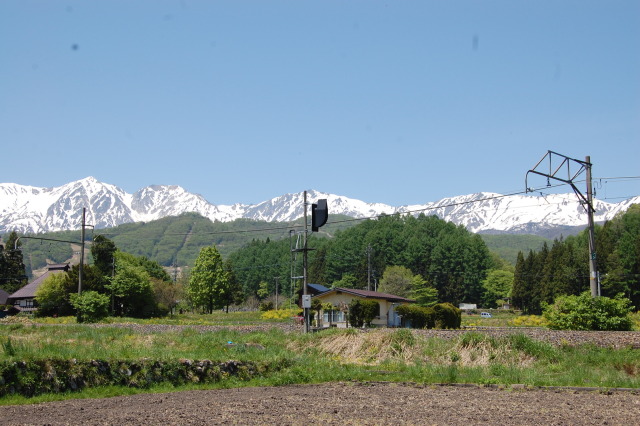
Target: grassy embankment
{"points": [[333, 355]]}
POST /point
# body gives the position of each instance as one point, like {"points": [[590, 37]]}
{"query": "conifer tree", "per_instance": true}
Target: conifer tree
{"points": [[519, 290], [13, 272]]}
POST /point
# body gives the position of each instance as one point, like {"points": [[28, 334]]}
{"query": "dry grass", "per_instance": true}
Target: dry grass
{"points": [[483, 353], [368, 348], [379, 346]]}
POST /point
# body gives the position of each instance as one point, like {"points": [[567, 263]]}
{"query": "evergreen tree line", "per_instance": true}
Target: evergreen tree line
{"points": [[447, 257], [12, 269], [541, 276]]}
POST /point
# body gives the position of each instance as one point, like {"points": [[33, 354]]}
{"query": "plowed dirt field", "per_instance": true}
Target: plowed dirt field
{"points": [[340, 404]]}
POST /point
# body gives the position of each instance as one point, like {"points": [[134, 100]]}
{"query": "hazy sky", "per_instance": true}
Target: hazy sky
{"points": [[399, 102]]}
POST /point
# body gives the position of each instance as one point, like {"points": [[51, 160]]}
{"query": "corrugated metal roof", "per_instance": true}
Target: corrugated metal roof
{"points": [[318, 287]]}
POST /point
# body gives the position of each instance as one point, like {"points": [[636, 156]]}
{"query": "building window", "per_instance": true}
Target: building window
{"points": [[333, 316]]}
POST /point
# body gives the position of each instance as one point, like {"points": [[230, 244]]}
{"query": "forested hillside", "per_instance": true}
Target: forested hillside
{"points": [[507, 246], [448, 257], [563, 268], [167, 241]]}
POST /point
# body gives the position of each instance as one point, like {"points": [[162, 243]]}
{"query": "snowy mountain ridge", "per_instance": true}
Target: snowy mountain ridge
{"points": [[28, 209]]}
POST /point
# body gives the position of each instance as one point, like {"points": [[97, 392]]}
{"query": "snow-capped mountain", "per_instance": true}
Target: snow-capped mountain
{"points": [[31, 209]]}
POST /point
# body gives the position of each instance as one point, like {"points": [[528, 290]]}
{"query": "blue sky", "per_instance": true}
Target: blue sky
{"points": [[399, 102]]}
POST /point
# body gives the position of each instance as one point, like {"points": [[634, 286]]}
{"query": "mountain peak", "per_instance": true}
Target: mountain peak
{"points": [[31, 209]]}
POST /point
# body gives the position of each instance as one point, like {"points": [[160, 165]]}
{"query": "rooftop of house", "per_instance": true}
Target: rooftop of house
{"points": [[29, 290], [368, 294]]}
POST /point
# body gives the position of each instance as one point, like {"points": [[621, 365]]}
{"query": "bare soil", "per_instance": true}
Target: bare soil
{"points": [[342, 403]]}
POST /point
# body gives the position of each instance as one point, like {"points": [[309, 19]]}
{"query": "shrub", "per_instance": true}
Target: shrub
{"points": [[447, 316], [418, 316], [280, 314], [91, 306], [584, 312], [266, 306], [362, 312], [528, 321]]}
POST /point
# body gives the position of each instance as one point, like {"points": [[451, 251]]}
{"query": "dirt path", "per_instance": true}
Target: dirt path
{"points": [[341, 403]]}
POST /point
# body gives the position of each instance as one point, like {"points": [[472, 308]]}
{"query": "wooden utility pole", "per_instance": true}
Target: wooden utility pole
{"points": [[80, 267], [369, 267], [305, 290]]}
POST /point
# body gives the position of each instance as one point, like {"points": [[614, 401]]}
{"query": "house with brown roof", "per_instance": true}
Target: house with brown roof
{"points": [[340, 298], [25, 298]]}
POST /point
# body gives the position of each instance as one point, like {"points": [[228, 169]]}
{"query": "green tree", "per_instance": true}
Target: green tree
{"points": [[92, 279], [497, 286], [152, 268], [131, 289], [347, 281], [234, 294], [525, 292], [91, 306], [209, 282], [167, 294], [13, 274], [397, 280], [263, 290], [103, 252], [424, 294], [53, 297]]}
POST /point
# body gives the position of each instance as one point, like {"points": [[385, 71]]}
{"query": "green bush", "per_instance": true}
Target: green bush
{"points": [[417, 316], [584, 312], [362, 312], [447, 316], [91, 306], [266, 306]]}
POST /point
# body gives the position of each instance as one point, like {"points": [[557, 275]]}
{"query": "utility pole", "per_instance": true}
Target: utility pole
{"points": [[305, 290], [369, 267], [276, 279], [84, 212], [319, 215], [593, 272], [587, 202]]}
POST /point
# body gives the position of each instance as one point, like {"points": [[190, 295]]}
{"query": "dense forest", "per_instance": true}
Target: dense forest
{"points": [[563, 268], [448, 257]]}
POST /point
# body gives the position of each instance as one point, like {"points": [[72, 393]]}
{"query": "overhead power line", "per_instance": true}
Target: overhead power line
{"points": [[330, 222]]}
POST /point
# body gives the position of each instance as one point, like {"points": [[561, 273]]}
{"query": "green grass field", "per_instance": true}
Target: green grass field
{"points": [[331, 355]]}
